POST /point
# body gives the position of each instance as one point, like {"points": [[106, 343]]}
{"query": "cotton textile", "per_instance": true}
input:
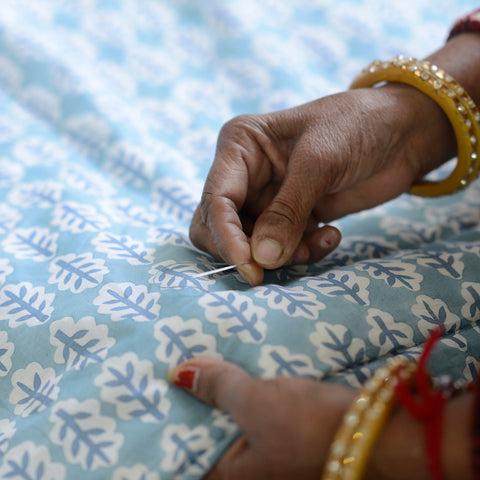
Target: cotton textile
{"points": [[109, 113]]}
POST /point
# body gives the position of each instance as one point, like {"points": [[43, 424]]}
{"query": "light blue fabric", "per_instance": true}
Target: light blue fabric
{"points": [[109, 112]]}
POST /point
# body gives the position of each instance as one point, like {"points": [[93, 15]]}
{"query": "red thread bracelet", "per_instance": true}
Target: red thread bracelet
{"points": [[468, 23], [428, 408]]}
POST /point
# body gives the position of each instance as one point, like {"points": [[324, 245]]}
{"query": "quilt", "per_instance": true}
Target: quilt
{"points": [[109, 113]]}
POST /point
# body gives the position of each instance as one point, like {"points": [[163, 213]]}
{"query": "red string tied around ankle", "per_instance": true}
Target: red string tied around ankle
{"points": [[427, 407]]}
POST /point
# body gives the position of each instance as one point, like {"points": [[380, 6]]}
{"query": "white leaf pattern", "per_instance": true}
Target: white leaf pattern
{"points": [[24, 304], [235, 314], [293, 301], [123, 247], [39, 244], [77, 272], [87, 437], [181, 340], [129, 384], [109, 116], [128, 301]]}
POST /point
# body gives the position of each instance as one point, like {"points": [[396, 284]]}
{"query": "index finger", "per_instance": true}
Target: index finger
{"points": [[218, 228], [201, 237]]}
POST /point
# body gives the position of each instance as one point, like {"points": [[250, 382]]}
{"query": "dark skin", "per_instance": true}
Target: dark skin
{"points": [[283, 177]]}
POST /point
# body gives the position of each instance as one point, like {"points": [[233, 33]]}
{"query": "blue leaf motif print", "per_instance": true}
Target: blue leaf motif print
{"points": [[86, 181], [130, 385], [180, 340], [434, 312], [168, 235], [123, 247], [86, 437], [170, 274], [279, 361], [235, 313], [336, 260], [125, 301], [187, 451], [124, 210], [77, 272], [448, 264], [287, 274], [81, 343], [6, 350], [174, 201], [293, 301], [78, 217], [29, 461], [390, 336], [365, 248], [24, 304], [37, 244], [129, 164], [337, 347], [34, 389], [40, 194], [395, 273], [471, 294], [339, 283], [89, 132]]}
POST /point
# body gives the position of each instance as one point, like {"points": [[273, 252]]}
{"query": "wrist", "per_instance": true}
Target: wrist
{"points": [[428, 136], [418, 134], [400, 452], [457, 438], [428, 140]]}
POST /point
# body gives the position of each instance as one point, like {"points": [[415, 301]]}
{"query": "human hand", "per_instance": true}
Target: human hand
{"points": [[276, 176], [287, 424]]}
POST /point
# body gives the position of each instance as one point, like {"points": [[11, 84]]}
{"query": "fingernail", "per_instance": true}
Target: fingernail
{"points": [[184, 377], [329, 239], [268, 252]]}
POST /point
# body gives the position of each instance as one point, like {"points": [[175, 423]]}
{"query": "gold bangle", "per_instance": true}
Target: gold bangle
{"points": [[351, 447], [452, 98]]}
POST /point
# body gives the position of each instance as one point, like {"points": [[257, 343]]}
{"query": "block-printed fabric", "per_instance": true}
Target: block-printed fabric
{"points": [[109, 113]]}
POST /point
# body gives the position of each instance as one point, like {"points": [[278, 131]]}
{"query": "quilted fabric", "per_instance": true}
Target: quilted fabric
{"points": [[109, 112]]}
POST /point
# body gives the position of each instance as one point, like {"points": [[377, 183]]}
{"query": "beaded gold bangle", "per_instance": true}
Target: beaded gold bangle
{"points": [[459, 107], [351, 447]]}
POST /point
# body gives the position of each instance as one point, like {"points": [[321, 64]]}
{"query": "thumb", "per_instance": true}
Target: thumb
{"points": [[279, 229], [219, 384]]}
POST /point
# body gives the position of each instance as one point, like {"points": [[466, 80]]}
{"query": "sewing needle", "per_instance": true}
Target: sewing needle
{"points": [[218, 270]]}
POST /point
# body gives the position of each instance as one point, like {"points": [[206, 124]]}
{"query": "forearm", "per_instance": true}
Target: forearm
{"points": [[400, 450]]}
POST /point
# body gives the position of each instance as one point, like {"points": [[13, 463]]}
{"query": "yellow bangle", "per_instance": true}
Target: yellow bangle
{"points": [[351, 447], [452, 99]]}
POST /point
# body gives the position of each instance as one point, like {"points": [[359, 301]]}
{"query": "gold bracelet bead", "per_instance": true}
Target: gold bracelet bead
{"points": [[452, 98], [353, 442]]}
